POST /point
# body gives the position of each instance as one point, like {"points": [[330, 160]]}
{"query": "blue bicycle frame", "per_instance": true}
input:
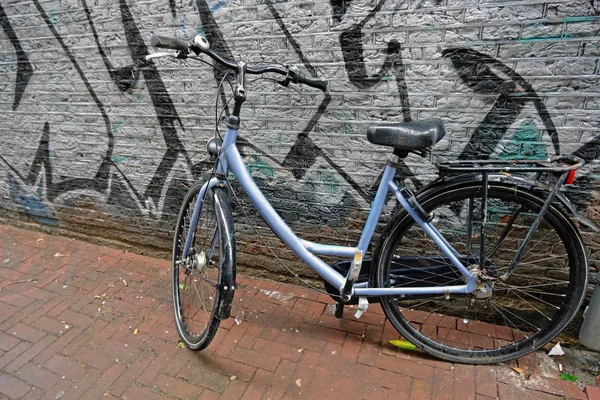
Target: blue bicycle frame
{"points": [[231, 160]]}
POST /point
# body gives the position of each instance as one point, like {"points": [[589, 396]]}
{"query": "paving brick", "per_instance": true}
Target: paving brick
{"points": [[16, 299], [205, 377], [138, 392], [351, 347], [39, 294], [13, 353], [259, 384], [409, 368], [230, 368], [592, 392], [57, 346], [64, 366], [277, 349], [130, 374], [506, 392], [443, 385], [464, 381], [282, 381], [420, 389], [84, 337], [51, 325], [7, 341], [94, 357], [7, 311], [556, 387], [248, 340], [81, 385], [370, 349], [31, 352], [13, 387], [37, 376], [485, 381], [231, 339], [176, 387], [335, 360], [75, 318], [234, 390], [26, 332], [100, 387], [164, 356], [255, 358], [21, 315]]}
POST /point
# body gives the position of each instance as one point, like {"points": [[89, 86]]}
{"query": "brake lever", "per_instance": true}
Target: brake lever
{"points": [[285, 82], [292, 73]]}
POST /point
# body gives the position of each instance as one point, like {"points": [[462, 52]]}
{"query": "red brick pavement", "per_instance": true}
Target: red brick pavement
{"points": [[71, 328]]}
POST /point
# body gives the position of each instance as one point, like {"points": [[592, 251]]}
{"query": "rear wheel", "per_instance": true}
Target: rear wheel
{"points": [[524, 310], [197, 280]]}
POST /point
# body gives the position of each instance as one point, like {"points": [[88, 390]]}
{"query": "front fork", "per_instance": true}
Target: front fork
{"points": [[213, 182]]}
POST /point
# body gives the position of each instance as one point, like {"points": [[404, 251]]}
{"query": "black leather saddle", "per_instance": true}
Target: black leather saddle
{"points": [[415, 135]]}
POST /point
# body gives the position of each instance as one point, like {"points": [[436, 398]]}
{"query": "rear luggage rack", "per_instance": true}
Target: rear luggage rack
{"points": [[557, 165]]}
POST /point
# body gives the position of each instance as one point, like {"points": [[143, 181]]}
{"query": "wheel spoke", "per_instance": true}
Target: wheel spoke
{"points": [[524, 308], [196, 288]]}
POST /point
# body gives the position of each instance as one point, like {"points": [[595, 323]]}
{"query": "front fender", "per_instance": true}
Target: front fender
{"points": [[227, 275]]}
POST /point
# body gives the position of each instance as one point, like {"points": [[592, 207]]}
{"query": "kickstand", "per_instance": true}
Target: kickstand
{"points": [[339, 310]]}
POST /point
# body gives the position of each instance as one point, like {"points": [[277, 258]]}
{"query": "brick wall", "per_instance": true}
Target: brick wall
{"points": [[97, 144]]}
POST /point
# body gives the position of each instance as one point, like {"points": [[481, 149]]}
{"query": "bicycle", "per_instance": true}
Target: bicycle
{"points": [[506, 276]]}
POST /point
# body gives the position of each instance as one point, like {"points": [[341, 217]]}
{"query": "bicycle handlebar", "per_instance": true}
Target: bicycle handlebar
{"points": [[201, 46], [169, 43]]}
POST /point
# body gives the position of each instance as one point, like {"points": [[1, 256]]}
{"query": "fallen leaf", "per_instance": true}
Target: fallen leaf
{"points": [[181, 345], [403, 344], [518, 370], [568, 377]]}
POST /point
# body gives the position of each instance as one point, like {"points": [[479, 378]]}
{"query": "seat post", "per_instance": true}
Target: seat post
{"points": [[400, 153]]}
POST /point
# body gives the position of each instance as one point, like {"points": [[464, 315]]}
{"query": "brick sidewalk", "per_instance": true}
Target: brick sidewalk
{"points": [[90, 322]]}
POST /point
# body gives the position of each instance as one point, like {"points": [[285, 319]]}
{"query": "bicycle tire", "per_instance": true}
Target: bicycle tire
{"points": [[440, 325], [213, 270]]}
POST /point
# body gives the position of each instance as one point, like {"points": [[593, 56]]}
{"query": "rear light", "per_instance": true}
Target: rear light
{"points": [[570, 178]]}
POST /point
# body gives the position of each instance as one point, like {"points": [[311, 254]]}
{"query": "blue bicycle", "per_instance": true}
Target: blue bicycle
{"points": [[481, 266]]}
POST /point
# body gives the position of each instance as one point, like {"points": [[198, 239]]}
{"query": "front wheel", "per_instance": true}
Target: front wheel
{"points": [[203, 282], [523, 311]]}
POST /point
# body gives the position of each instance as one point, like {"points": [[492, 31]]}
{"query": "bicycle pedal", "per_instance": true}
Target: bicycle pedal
{"points": [[363, 305]]}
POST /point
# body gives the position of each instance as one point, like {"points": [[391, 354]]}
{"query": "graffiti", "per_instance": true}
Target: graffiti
{"points": [[24, 68], [475, 69], [100, 181], [290, 38], [313, 170], [125, 78], [31, 192]]}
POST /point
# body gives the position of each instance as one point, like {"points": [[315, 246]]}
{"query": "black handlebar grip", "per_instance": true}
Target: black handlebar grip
{"points": [[169, 43], [313, 82]]}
